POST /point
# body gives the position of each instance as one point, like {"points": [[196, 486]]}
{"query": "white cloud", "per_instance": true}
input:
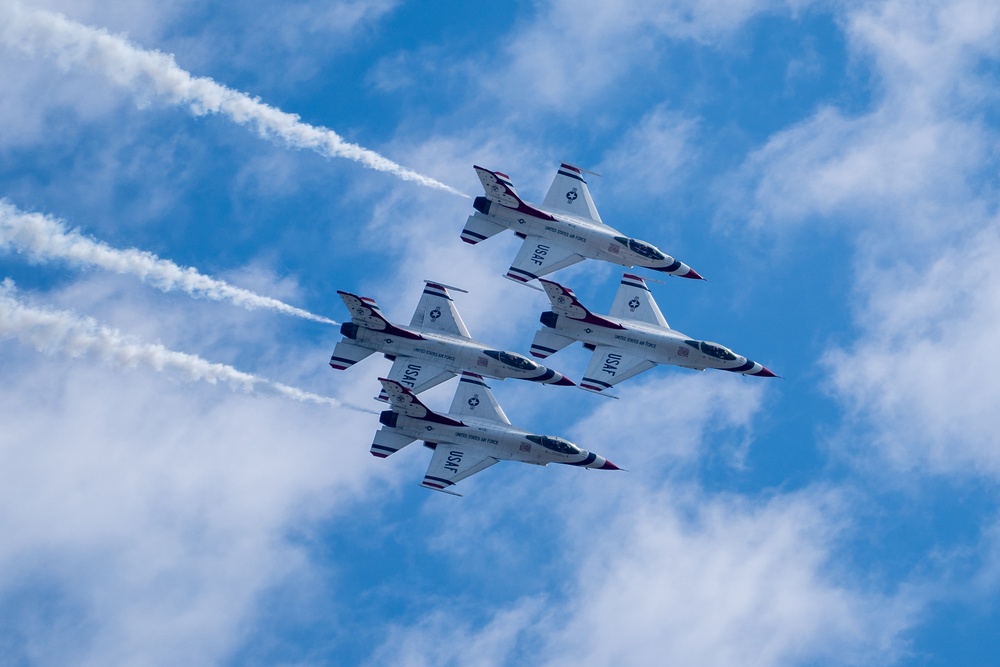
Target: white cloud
{"points": [[573, 51], [650, 159], [667, 415], [916, 154], [687, 579], [146, 517], [914, 176], [921, 376], [678, 576]]}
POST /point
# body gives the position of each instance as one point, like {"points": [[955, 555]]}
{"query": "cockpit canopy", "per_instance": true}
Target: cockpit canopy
{"points": [[512, 359], [554, 443], [717, 351], [641, 248]]}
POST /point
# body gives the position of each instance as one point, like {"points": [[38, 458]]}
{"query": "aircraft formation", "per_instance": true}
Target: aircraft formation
{"points": [[436, 345]]}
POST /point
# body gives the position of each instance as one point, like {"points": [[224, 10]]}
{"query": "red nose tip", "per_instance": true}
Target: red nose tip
{"points": [[564, 382], [764, 373], [608, 465], [692, 274]]}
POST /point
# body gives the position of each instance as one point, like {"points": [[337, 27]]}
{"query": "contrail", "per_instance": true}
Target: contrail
{"points": [[37, 31], [44, 238], [65, 333]]}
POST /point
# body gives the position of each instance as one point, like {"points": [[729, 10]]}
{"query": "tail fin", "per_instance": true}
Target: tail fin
{"points": [[405, 402], [565, 304], [366, 313], [499, 189]]}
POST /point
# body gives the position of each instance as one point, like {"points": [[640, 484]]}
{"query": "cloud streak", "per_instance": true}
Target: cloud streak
{"points": [[39, 32], [43, 238], [61, 332]]}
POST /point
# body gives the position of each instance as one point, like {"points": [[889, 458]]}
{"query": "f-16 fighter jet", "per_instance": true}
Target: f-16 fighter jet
{"points": [[633, 338], [471, 437], [435, 347], [562, 231]]}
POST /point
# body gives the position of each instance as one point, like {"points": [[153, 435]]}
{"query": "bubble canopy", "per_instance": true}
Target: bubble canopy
{"points": [[554, 443], [641, 248], [512, 359]]}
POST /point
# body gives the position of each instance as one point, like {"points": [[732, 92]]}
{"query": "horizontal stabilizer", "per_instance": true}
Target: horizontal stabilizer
{"points": [[479, 229], [388, 441], [548, 342], [346, 354]]}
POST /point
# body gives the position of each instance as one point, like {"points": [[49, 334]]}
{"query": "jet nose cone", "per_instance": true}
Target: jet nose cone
{"points": [[764, 373], [692, 274], [563, 381], [608, 465]]}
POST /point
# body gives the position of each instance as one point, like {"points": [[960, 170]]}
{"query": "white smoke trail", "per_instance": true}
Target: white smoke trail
{"points": [[37, 31], [62, 332], [43, 238]]}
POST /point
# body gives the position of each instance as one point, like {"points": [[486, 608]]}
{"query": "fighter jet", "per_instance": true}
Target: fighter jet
{"points": [[435, 347], [471, 437], [633, 338], [564, 230]]}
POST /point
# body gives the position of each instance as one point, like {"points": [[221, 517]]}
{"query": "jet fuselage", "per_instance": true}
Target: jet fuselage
{"points": [[659, 345], [500, 441], [583, 237], [452, 353]]}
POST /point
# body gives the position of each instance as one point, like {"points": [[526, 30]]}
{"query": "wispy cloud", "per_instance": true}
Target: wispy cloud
{"points": [[58, 331], [72, 44], [44, 238]]}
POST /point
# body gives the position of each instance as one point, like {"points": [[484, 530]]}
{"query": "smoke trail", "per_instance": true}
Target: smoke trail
{"points": [[62, 332], [36, 31], [43, 238]]}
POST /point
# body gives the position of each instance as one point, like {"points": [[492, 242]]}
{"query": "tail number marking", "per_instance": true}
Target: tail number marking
{"points": [[611, 363], [541, 250], [454, 458]]}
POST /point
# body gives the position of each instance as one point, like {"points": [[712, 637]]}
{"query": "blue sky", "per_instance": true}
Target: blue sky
{"points": [[830, 167]]}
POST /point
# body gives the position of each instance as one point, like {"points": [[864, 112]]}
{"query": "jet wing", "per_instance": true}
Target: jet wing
{"points": [[611, 365], [415, 375], [635, 302], [474, 399], [569, 194], [538, 257], [453, 463], [436, 312]]}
